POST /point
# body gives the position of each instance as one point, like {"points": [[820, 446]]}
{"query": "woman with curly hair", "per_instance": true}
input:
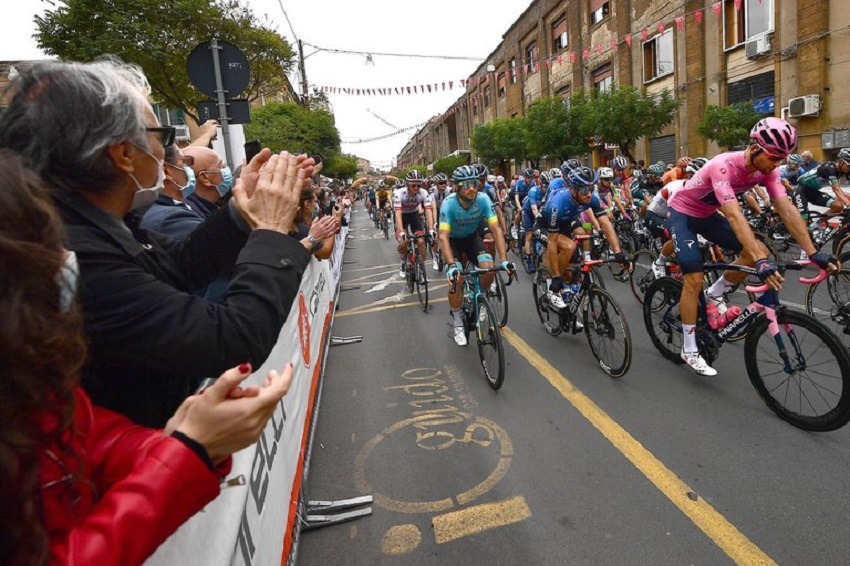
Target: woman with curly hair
{"points": [[79, 483]]}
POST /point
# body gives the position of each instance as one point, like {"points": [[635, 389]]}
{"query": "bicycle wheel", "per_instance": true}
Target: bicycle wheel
{"points": [[642, 275], [661, 317], [829, 302], [627, 244], [551, 320], [422, 285], [607, 332], [497, 294], [385, 224], [410, 274], [490, 344], [807, 382]]}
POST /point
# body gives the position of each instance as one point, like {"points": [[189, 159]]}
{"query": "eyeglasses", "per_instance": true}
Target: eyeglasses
{"points": [[167, 134], [586, 190], [470, 184], [769, 156], [442, 182]]}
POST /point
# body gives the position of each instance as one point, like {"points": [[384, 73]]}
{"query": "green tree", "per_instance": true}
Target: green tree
{"points": [[499, 141], [556, 128], [158, 35], [341, 166], [625, 114], [729, 126], [288, 126], [449, 163]]}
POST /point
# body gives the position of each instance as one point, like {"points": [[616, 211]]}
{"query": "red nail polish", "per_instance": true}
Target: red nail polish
{"points": [[245, 368]]}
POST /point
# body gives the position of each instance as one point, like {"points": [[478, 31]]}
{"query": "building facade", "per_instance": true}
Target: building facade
{"points": [[787, 57]]}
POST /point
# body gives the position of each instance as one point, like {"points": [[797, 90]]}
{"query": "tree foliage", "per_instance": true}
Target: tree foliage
{"points": [[341, 166], [501, 140], [288, 126], [556, 128], [729, 126], [449, 163], [625, 114], [158, 35]]}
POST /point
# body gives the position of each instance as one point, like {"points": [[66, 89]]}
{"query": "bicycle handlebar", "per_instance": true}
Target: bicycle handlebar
{"points": [[796, 265], [512, 275]]}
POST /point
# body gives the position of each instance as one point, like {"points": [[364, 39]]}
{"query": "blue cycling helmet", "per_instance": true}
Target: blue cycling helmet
{"points": [[528, 173], [568, 166], [582, 176], [795, 159], [482, 170], [620, 163], [465, 173]]}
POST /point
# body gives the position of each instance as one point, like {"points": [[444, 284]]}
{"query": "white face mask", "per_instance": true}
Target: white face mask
{"points": [[146, 196], [67, 278]]}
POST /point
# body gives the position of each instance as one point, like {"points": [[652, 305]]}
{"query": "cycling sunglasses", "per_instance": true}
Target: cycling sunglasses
{"points": [[769, 155], [471, 184], [167, 134], [585, 190]]}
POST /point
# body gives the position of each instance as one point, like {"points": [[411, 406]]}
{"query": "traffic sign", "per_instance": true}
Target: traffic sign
{"points": [[235, 70], [238, 111]]}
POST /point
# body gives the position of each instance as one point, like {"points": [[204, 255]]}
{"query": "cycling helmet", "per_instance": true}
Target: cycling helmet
{"points": [[414, 176], [695, 165], [528, 173], [491, 179], [605, 173], [481, 169], [683, 161], [381, 183], [554, 172], [582, 176], [656, 169], [545, 178], [776, 137], [440, 178], [568, 165], [637, 174], [619, 162], [795, 159], [844, 155], [465, 173], [500, 179], [399, 184]]}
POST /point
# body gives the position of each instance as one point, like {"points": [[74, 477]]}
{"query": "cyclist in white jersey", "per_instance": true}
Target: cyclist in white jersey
{"points": [[406, 204]]}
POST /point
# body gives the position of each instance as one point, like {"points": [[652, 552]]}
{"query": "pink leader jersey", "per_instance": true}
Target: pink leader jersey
{"points": [[718, 182]]}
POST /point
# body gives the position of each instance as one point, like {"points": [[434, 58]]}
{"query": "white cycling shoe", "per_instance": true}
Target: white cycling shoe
{"points": [[460, 336], [556, 300], [436, 265], [658, 270], [698, 364]]}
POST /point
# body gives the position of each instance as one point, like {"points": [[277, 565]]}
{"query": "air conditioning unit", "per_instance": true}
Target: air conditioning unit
{"points": [[808, 105], [759, 46], [182, 132]]}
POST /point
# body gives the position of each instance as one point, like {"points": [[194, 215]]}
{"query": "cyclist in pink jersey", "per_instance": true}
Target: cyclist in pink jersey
{"points": [[695, 210]]}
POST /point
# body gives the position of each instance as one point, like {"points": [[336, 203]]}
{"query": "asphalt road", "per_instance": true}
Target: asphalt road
{"points": [[563, 465]]}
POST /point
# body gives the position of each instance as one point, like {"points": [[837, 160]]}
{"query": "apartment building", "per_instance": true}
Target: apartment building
{"points": [[787, 57]]}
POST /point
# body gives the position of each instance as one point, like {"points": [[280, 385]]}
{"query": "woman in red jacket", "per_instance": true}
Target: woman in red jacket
{"points": [[80, 484]]}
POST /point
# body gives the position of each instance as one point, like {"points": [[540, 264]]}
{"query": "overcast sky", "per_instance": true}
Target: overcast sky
{"points": [[435, 27]]}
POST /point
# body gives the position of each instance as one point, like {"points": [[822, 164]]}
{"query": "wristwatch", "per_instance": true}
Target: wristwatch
{"points": [[315, 243]]}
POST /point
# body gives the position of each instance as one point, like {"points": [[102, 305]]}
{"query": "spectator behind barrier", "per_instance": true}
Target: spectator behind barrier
{"points": [[81, 484], [315, 234], [151, 340], [210, 185], [170, 215]]}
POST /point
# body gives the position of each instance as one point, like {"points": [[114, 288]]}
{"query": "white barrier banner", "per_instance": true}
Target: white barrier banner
{"points": [[247, 523]]}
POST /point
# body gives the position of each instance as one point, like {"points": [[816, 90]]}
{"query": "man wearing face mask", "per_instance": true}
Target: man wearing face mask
{"points": [[151, 340], [169, 215], [214, 180]]}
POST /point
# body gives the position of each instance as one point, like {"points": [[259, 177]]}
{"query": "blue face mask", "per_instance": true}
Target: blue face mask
{"points": [[226, 181], [190, 182], [316, 213]]}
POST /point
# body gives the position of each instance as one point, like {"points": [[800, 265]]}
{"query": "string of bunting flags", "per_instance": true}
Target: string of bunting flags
{"points": [[385, 136], [572, 57]]}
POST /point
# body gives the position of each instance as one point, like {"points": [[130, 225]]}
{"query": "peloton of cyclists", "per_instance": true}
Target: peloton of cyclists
{"points": [[826, 174]]}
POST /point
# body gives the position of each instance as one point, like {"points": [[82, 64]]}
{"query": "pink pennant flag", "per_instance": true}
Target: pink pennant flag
{"points": [[644, 34], [586, 54], [698, 16], [717, 6], [479, 79], [525, 69], [536, 66], [680, 23], [628, 38], [738, 5], [599, 48], [573, 56], [661, 28], [614, 45], [560, 60], [549, 64]]}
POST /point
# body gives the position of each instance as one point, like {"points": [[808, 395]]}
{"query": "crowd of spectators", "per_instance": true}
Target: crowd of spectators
{"points": [[112, 239]]}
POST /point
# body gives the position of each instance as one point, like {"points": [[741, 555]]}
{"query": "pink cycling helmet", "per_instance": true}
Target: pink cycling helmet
{"points": [[776, 136]]}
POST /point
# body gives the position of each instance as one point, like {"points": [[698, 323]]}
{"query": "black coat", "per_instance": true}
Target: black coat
{"points": [[151, 340]]}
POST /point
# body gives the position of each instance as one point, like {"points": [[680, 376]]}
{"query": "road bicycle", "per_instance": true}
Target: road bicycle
{"points": [[478, 316], [829, 300], [414, 270], [796, 364], [497, 292], [604, 323], [385, 224]]}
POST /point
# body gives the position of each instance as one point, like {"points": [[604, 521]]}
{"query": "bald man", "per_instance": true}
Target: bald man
{"points": [[211, 174]]}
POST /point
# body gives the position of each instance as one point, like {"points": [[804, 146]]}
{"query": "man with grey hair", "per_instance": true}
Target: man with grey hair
{"points": [[88, 131], [809, 162]]}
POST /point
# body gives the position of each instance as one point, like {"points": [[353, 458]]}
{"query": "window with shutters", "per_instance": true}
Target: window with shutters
{"points": [[754, 17], [502, 84], [531, 56], [599, 10], [603, 78], [559, 34], [658, 56], [513, 70]]}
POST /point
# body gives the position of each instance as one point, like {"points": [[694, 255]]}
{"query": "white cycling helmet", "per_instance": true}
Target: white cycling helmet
{"points": [[554, 172], [491, 179], [500, 179], [606, 173]]}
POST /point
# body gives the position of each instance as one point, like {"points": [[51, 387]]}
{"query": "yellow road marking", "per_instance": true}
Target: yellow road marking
{"points": [[401, 539], [704, 516], [479, 518], [363, 310]]}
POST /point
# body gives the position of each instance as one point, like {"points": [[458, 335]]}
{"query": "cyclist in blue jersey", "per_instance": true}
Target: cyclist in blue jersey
{"points": [[827, 174], [460, 215], [563, 218], [790, 172], [531, 206], [523, 185]]}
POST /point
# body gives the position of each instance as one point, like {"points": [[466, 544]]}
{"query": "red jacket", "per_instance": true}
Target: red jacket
{"points": [[136, 487]]}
